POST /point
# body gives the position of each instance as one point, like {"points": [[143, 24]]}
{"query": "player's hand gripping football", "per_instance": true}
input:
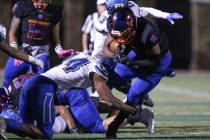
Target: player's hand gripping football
{"points": [[120, 56]]}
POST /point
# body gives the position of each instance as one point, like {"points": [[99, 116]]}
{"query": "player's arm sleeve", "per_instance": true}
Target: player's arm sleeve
{"points": [[57, 14], [105, 93], [86, 28], [18, 9], [99, 41], [145, 11]]}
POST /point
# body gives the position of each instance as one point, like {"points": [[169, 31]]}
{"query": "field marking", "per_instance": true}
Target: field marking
{"points": [[185, 113], [183, 91]]}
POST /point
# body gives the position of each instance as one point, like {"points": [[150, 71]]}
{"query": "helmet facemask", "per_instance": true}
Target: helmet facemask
{"points": [[123, 25]]}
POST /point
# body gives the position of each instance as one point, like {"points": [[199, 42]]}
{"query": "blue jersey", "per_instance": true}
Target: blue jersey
{"points": [[36, 25]]}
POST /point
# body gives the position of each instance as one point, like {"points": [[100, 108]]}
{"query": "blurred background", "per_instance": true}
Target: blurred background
{"points": [[189, 38]]}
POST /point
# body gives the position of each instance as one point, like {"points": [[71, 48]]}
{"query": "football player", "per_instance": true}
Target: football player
{"points": [[33, 20], [143, 53], [102, 32], [101, 26], [76, 72], [16, 53]]}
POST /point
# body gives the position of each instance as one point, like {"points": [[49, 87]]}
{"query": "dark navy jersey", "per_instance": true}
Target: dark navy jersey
{"points": [[35, 25], [147, 36]]}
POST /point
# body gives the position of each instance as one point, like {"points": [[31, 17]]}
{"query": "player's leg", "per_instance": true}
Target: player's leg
{"points": [[12, 71], [84, 111], [136, 93], [123, 84], [37, 102]]}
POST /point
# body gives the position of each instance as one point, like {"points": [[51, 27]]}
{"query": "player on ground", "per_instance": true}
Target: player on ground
{"points": [[38, 93], [143, 53], [86, 117]]}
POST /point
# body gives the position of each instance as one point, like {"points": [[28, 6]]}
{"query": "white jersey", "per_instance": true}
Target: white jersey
{"points": [[89, 25], [75, 71], [101, 26]]}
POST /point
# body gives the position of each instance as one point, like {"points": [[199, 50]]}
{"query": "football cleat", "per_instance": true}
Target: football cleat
{"points": [[111, 132], [145, 116]]}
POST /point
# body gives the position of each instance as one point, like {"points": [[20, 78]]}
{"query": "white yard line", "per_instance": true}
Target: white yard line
{"points": [[183, 91], [184, 113]]}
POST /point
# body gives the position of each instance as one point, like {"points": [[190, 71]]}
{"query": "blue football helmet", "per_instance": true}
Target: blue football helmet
{"points": [[112, 4], [122, 25]]}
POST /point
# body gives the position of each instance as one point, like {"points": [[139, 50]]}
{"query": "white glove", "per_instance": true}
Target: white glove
{"points": [[36, 61], [173, 16]]}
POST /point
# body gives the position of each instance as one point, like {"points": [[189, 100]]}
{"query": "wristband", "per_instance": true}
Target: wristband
{"points": [[14, 45], [58, 48]]}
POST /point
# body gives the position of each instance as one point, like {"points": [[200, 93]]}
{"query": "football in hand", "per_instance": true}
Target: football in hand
{"points": [[113, 46]]}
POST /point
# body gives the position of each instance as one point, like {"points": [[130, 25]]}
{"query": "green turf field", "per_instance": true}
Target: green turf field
{"points": [[182, 111]]}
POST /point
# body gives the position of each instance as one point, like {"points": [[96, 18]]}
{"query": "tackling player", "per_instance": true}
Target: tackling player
{"points": [[76, 72], [102, 32], [142, 53], [101, 26]]}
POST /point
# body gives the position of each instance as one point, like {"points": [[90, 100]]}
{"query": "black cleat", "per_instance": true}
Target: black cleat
{"points": [[144, 116], [149, 122], [111, 132]]}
